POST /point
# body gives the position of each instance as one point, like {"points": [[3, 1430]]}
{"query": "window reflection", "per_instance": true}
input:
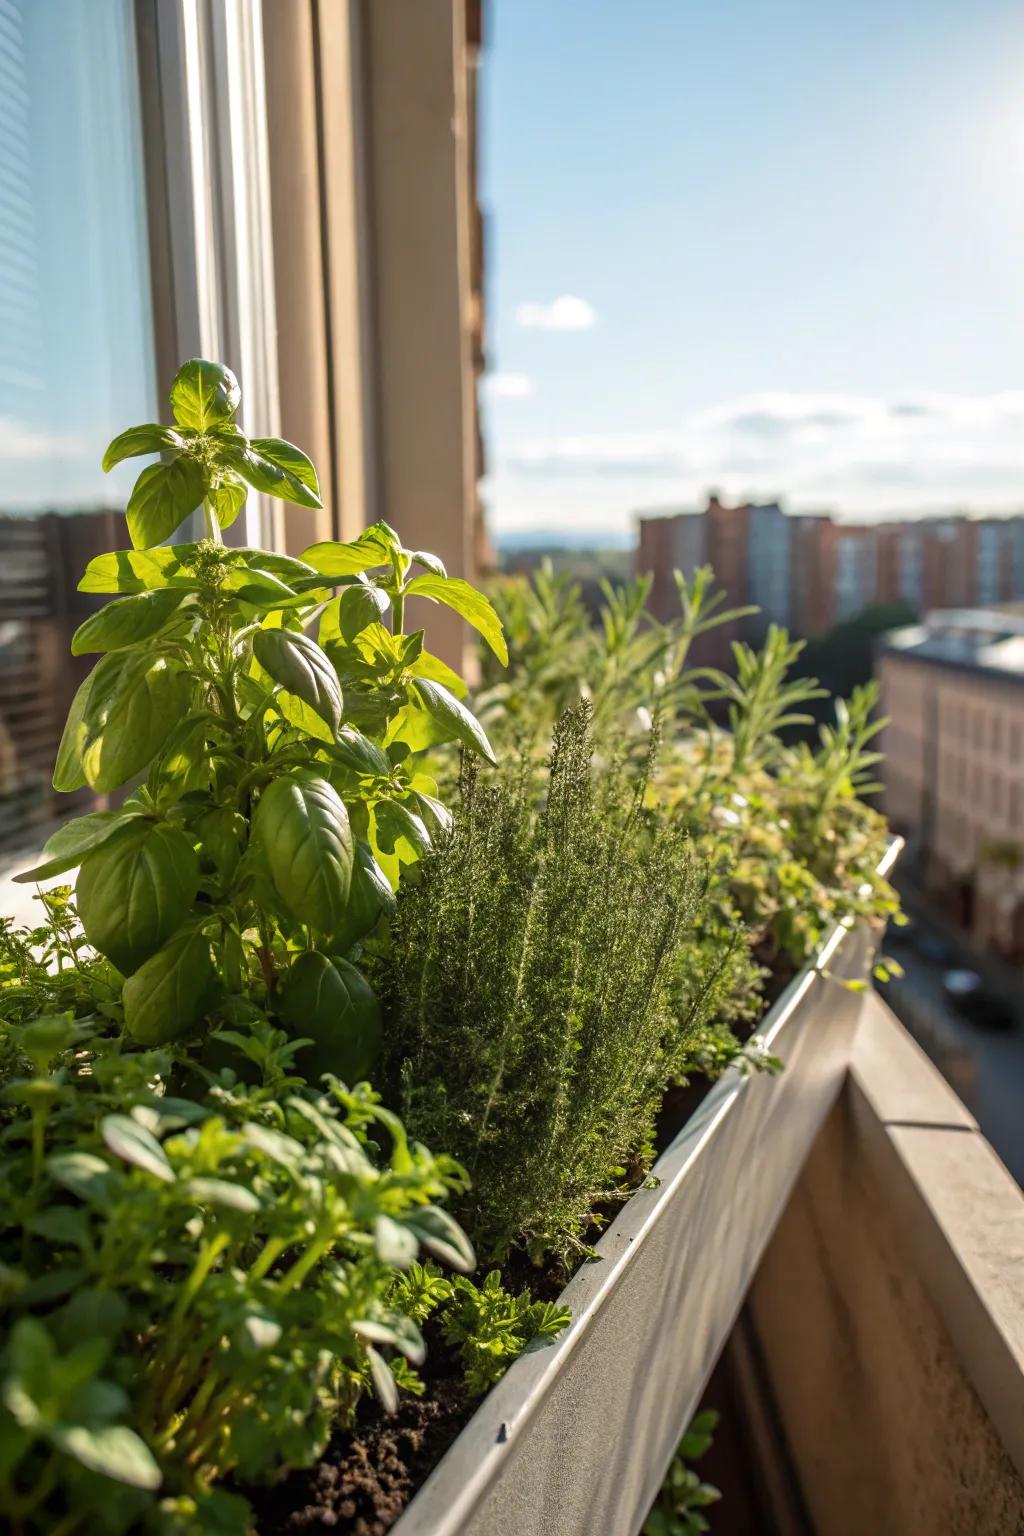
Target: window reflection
{"points": [[75, 355]]}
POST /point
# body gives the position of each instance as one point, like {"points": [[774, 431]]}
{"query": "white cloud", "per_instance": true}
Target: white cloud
{"points": [[506, 386], [607, 453], [31, 445], [566, 313], [856, 453]]}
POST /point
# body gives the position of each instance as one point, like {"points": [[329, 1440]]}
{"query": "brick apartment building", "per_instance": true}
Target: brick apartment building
{"points": [[809, 572]]}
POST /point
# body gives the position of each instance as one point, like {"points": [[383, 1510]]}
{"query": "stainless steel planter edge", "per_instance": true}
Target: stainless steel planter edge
{"points": [[575, 1440]]}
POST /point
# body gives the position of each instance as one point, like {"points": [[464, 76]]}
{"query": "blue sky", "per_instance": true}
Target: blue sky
{"points": [[791, 235]]}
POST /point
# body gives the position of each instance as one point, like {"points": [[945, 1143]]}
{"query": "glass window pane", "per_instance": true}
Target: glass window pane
{"points": [[75, 356]]}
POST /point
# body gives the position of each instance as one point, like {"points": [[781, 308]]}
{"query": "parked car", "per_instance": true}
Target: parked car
{"points": [[969, 995]]}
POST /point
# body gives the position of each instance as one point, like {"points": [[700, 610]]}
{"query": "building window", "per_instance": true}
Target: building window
{"points": [[76, 357]]}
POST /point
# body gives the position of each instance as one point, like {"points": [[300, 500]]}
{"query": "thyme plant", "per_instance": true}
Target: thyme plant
{"points": [[530, 993]]}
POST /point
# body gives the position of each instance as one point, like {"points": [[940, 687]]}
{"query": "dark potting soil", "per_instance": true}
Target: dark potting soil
{"points": [[367, 1477]]}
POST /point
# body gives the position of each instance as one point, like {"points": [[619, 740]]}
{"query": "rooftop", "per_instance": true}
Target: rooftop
{"points": [[987, 640]]}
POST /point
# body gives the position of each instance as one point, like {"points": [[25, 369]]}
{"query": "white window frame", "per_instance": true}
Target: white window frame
{"points": [[208, 198]]}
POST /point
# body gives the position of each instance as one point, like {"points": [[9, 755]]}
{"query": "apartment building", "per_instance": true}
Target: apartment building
{"points": [[812, 579], [953, 773], [809, 572], [677, 541], [285, 185], [770, 562]]}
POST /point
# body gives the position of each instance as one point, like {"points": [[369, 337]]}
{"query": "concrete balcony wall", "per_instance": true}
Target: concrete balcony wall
{"points": [[888, 1310]]}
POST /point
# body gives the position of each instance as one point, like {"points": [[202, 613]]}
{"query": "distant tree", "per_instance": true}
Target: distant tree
{"points": [[843, 658]]}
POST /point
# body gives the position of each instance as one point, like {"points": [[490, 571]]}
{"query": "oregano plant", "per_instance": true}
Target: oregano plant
{"points": [[269, 716]]}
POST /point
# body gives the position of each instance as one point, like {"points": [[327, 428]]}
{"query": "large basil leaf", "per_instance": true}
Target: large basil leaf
{"points": [[135, 891], [369, 898], [302, 716], [348, 615], [467, 601], [184, 764], [292, 460], [263, 589], [302, 832], [163, 497], [400, 830], [285, 567], [141, 570], [151, 438], [453, 715], [168, 995], [68, 773], [134, 703], [331, 1003], [204, 395], [301, 667], [358, 752], [127, 621], [373, 547], [276, 477], [71, 842]]}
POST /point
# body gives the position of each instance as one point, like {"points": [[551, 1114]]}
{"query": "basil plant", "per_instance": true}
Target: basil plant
{"points": [[271, 715]]}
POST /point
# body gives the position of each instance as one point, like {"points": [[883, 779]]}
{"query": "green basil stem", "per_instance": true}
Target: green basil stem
{"points": [[210, 524]]}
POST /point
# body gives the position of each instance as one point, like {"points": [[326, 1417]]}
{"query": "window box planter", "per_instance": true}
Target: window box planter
{"points": [[577, 1436]]}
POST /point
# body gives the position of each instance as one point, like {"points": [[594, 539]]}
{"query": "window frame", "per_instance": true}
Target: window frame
{"points": [[206, 158]]}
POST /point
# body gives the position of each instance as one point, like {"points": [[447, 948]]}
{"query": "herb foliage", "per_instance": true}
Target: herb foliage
{"points": [[198, 1242], [282, 780], [679, 1508], [531, 993]]}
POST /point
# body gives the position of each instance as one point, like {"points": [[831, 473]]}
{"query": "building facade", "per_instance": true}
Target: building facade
{"points": [[670, 542], [953, 773], [810, 572], [287, 186], [770, 564]]}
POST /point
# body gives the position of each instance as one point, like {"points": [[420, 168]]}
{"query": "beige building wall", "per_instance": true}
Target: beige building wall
{"points": [[954, 777], [378, 268], [903, 741]]}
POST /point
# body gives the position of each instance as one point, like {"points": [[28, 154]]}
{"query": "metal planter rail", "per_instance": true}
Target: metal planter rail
{"points": [[576, 1438]]}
